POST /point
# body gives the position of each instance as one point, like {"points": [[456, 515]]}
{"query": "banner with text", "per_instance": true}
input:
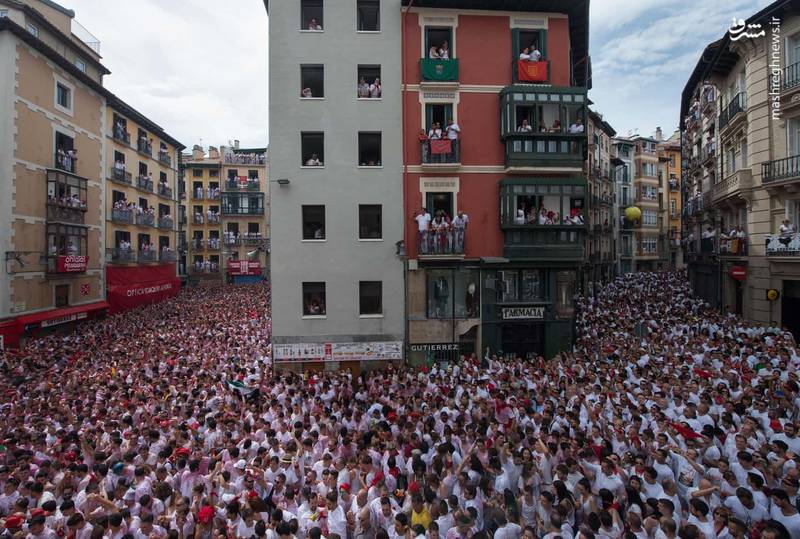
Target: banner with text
{"points": [[352, 351]]}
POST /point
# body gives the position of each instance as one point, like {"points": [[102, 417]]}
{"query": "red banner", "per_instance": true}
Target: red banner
{"points": [[131, 286], [243, 181], [244, 267], [72, 263], [532, 71], [439, 146]]}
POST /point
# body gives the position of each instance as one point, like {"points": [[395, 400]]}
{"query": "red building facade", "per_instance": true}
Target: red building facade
{"points": [[512, 78]]}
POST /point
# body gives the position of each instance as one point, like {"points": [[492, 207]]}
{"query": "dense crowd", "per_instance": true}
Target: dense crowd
{"points": [[666, 420]]}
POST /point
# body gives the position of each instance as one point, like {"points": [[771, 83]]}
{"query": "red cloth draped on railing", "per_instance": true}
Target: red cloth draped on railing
{"points": [[439, 146], [532, 71]]}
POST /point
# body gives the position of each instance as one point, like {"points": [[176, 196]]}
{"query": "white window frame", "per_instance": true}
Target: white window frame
{"points": [[32, 29], [63, 82], [793, 146], [3, 13], [80, 64]]}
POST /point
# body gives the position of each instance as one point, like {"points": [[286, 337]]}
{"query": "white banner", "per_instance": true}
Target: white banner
{"points": [[351, 351]]}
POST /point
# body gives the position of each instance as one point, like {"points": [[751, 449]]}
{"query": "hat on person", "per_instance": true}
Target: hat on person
{"points": [[205, 515], [345, 487], [39, 512], [241, 464], [413, 487], [130, 495], [14, 521]]}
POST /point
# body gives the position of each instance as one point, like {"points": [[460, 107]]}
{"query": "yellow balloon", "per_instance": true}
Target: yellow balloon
{"points": [[633, 213]]}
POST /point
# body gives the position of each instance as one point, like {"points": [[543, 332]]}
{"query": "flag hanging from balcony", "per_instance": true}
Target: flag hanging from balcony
{"points": [[440, 146], [532, 71]]}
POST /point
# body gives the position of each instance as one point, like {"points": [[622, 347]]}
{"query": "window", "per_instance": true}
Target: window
{"points": [[439, 204], [673, 208], [369, 298], [731, 159], [369, 149], [369, 82], [743, 152], [312, 81], [440, 296], [253, 229], [369, 15], [438, 113], [793, 133], [66, 240], [213, 173], [80, 64], [313, 222], [61, 295], [370, 225], [63, 96], [311, 15], [314, 299], [649, 217], [3, 13], [33, 30], [542, 205], [453, 293], [519, 285], [197, 173], [438, 42], [312, 148]]}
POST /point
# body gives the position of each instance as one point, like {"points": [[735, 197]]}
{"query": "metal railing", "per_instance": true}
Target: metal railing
{"points": [[783, 244], [122, 135], [213, 219], [205, 267], [65, 214], [427, 148], [791, 76], [442, 242], [144, 147], [198, 193], [213, 194], [198, 244], [252, 184], [198, 219], [213, 244], [709, 150], [781, 169], [167, 256], [145, 183], [164, 191], [735, 106], [232, 240], [145, 219], [166, 222], [245, 159], [251, 239], [122, 216], [147, 255], [120, 175], [118, 255], [164, 158], [65, 162], [733, 246]]}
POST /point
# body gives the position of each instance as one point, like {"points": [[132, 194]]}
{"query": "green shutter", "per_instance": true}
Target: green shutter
{"points": [[543, 43], [515, 48], [428, 116]]}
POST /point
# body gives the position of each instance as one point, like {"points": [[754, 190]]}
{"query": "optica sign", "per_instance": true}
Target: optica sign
{"points": [[72, 263]]}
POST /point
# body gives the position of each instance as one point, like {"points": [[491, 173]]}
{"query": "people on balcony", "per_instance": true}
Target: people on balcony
{"points": [[119, 166], [124, 245], [213, 242], [119, 129], [709, 233], [423, 219], [735, 232], [576, 127], [375, 89], [525, 127], [525, 54], [444, 51], [786, 229], [556, 127], [313, 161], [306, 92], [536, 55], [453, 134], [314, 25], [66, 157], [435, 132], [362, 88], [460, 223]]}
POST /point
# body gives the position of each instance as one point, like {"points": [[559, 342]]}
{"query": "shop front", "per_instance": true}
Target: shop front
{"points": [[336, 356], [14, 332]]}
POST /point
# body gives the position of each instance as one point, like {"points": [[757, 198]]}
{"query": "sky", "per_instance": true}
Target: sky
{"points": [[198, 68]]}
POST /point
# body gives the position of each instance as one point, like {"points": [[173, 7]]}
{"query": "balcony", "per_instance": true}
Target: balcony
{"points": [[545, 150], [122, 135], [167, 256], [708, 153], [164, 158], [120, 175], [198, 193], [544, 242], [708, 245], [122, 216], [213, 193], [213, 244], [144, 183], [213, 219], [441, 154], [198, 219], [252, 184], [674, 186], [781, 171], [64, 213], [526, 72], [732, 186], [783, 245], [147, 255], [438, 70], [245, 159], [198, 244], [791, 76], [232, 239], [242, 204], [708, 100], [442, 243], [146, 219], [733, 247], [253, 238], [164, 191], [121, 256], [166, 223], [143, 146], [63, 161], [731, 111], [205, 267]]}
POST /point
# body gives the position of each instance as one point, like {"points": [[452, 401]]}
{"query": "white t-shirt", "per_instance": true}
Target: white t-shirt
{"points": [[423, 220], [791, 522], [748, 516]]}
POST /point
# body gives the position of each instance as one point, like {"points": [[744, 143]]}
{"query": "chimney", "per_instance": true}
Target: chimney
{"points": [[235, 144], [197, 152], [213, 153], [659, 134]]}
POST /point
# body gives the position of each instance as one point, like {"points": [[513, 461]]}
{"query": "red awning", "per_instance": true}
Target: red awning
{"points": [[66, 312]]}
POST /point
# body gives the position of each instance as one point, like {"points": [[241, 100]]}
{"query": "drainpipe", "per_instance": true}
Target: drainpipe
{"points": [[405, 161]]}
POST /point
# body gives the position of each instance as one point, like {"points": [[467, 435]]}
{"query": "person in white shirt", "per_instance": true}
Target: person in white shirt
{"points": [[784, 512], [525, 54], [525, 127], [535, 54], [460, 223], [375, 89], [577, 127], [453, 133], [423, 220]]}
